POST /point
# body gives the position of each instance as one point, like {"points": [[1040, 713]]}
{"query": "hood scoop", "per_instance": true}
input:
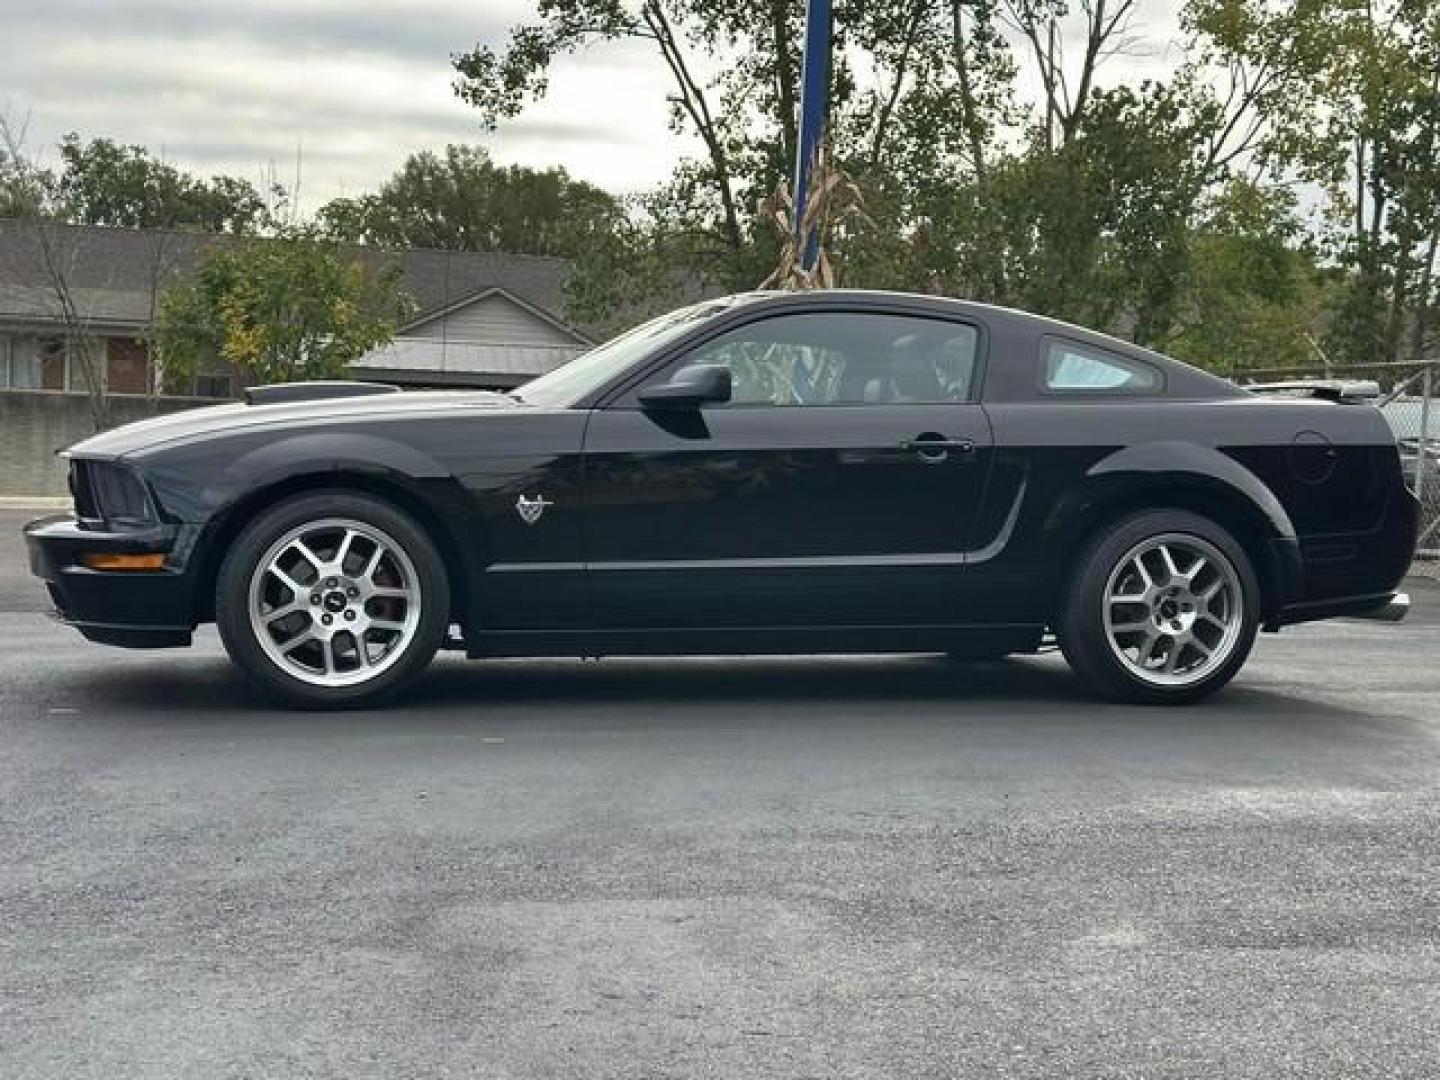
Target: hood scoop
{"points": [[285, 393]]}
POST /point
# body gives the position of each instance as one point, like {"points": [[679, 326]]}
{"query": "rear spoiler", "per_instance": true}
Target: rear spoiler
{"points": [[282, 393], [1338, 390]]}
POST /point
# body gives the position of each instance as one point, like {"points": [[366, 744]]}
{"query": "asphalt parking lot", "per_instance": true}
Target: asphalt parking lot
{"points": [[849, 867]]}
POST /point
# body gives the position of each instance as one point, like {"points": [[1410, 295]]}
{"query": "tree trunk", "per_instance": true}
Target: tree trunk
{"points": [[974, 129], [882, 121], [784, 78], [692, 100]]}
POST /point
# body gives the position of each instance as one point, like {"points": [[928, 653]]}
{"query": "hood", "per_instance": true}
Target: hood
{"points": [[218, 419]]}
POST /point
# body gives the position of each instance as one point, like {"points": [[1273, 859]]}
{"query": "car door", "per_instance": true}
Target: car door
{"points": [[837, 487]]}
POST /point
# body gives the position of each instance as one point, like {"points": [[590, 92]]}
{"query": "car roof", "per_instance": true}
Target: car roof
{"points": [[947, 304]]}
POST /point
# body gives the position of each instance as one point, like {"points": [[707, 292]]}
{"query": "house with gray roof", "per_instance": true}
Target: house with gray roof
{"points": [[481, 319]]}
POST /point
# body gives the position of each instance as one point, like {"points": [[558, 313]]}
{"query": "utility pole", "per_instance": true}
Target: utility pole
{"points": [[814, 105]]}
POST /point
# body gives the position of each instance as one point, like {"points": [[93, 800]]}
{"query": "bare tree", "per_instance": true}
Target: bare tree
{"points": [[1106, 33], [57, 252], [159, 270], [680, 33]]}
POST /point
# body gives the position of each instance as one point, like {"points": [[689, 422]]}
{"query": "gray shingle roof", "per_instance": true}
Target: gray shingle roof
{"points": [[113, 273]]}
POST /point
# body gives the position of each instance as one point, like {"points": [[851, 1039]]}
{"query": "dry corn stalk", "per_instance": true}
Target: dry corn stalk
{"points": [[831, 199]]}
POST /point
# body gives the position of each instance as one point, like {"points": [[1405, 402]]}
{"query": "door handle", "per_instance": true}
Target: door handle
{"points": [[936, 448]]}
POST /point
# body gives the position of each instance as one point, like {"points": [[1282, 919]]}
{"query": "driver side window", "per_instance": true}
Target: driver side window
{"points": [[842, 358], [766, 372]]}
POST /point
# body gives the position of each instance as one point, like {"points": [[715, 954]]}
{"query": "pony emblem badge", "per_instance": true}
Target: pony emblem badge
{"points": [[531, 509]]}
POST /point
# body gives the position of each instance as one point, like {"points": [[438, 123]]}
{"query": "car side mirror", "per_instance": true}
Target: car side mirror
{"points": [[689, 388]]}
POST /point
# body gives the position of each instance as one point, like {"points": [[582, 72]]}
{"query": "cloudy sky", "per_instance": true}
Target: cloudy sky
{"points": [[237, 85]]}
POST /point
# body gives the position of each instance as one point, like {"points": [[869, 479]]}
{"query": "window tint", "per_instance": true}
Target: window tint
{"points": [[843, 358], [1073, 368]]}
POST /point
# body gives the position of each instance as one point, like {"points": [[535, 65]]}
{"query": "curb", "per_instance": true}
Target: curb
{"points": [[35, 502]]}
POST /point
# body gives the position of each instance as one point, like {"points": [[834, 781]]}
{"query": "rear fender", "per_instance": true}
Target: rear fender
{"points": [[1184, 474], [1196, 465]]}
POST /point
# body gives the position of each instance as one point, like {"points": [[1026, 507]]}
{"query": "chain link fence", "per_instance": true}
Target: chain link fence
{"points": [[1414, 414], [1410, 400]]}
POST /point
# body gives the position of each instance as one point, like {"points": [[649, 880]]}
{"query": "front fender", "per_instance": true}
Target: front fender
{"points": [[202, 481], [218, 485], [351, 452]]}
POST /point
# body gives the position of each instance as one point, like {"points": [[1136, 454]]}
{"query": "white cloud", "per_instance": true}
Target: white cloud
{"points": [[358, 84], [236, 86]]}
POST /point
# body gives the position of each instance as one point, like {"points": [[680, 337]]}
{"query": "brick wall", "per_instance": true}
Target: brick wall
{"points": [[36, 423]]}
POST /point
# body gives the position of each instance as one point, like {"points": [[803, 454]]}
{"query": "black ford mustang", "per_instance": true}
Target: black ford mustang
{"points": [[815, 472]]}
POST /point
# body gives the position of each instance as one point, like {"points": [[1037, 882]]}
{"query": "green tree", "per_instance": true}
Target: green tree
{"points": [[917, 57], [644, 266], [280, 310], [1090, 223], [1254, 296], [1365, 125], [1001, 158], [463, 201], [102, 182], [24, 189]]}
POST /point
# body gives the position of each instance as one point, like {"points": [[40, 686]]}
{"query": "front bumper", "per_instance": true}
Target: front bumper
{"points": [[136, 609]]}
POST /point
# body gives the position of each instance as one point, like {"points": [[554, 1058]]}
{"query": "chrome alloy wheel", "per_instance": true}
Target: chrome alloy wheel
{"points": [[334, 602], [1174, 609]]}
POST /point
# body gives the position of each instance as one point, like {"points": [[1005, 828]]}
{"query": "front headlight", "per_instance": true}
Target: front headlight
{"points": [[111, 493]]}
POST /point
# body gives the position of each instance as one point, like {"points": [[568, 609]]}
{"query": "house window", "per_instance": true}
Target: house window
{"points": [[214, 386], [35, 362], [127, 366], [53, 368], [77, 358], [20, 369]]}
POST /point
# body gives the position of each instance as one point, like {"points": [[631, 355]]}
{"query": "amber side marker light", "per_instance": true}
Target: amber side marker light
{"points": [[101, 560]]}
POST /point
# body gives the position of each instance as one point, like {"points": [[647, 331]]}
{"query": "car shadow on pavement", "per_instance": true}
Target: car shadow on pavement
{"points": [[922, 689]]}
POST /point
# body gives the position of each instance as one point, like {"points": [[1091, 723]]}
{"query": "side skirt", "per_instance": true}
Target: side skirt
{"points": [[1384, 607], [756, 641]]}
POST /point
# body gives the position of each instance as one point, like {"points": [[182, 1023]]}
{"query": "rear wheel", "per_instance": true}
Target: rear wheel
{"points": [[332, 598], [1162, 608]]}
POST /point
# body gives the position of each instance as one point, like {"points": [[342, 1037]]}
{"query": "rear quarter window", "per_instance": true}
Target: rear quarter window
{"points": [[1068, 367]]}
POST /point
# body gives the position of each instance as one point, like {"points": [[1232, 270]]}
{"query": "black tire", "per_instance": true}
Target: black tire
{"points": [[1081, 626], [242, 561]]}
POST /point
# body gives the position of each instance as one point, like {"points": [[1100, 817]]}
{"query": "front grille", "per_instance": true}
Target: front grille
{"points": [[108, 493], [82, 491]]}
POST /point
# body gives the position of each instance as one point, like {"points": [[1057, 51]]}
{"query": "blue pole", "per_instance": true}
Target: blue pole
{"points": [[814, 104]]}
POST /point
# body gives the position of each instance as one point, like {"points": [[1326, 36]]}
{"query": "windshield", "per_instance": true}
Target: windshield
{"points": [[570, 383]]}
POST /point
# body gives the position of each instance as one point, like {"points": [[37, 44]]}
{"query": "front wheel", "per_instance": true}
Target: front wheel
{"points": [[1162, 608], [332, 599]]}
